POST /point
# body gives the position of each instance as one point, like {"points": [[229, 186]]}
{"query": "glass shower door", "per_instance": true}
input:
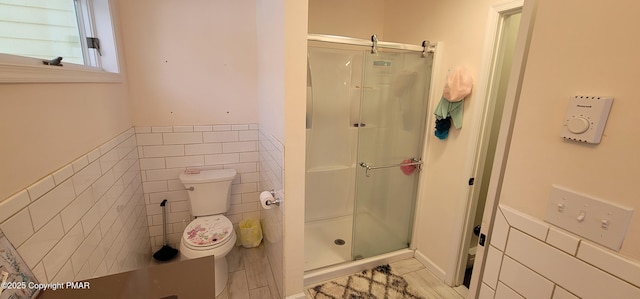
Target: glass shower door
{"points": [[390, 132]]}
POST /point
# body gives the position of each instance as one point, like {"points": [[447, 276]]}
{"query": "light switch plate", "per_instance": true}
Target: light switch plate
{"points": [[597, 220]]}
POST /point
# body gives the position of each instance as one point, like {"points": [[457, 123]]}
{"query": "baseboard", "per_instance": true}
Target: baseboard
{"points": [[297, 296], [427, 263]]}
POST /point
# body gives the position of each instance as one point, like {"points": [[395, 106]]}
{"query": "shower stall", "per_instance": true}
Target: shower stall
{"points": [[366, 117]]}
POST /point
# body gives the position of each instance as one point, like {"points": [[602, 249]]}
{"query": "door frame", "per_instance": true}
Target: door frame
{"points": [[504, 139], [528, 8], [478, 145]]}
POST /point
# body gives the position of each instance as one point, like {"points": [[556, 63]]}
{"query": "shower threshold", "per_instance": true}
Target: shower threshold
{"points": [[316, 276]]}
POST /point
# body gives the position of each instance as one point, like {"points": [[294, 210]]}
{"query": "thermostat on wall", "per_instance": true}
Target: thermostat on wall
{"points": [[586, 117]]}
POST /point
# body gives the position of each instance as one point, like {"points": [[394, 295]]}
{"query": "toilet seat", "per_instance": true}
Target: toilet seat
{"points": [[219, 249], [208, 232]]}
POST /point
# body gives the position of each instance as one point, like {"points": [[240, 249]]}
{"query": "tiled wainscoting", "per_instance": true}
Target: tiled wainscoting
{"points": [[529, 258], [86, 219], [165, 152], [271, 178]]}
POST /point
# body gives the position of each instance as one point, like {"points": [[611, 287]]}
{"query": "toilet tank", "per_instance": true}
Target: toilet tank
{"points": [[211, 193]]}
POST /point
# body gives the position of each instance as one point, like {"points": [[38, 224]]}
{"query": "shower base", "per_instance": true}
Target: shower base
{"points": [[329, 242], [320, 248]]}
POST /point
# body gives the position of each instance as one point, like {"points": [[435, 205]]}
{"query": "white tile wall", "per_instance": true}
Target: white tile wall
{"points": [[610, 261], [505, 292], [271, 157], [165, 152], [54, 222], [486, 292], [18, 228], [524, 281], [13, 204], [562, 240], [524, 222], [492, 268], [541, 261], [52, 203], [500, 232]]}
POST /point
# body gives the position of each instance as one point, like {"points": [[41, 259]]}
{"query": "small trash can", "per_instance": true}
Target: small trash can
{"points": [[250, 233]]}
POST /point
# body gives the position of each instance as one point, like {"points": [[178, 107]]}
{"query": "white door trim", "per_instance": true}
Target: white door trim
{"points": [[504, 139]]}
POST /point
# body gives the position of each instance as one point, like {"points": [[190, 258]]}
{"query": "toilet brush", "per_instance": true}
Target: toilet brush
{"points": [[166, 252]]}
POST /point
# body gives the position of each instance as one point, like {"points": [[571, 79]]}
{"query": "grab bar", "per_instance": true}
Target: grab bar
{"points": [[370, 167]]}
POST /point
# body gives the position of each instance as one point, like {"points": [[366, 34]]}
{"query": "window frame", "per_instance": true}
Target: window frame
{"points": [[99, 22]]}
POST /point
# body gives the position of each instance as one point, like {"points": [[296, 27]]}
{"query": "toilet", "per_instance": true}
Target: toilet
{"points": [[210, 233]]}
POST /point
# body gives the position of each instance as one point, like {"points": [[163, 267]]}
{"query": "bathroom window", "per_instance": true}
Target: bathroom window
{"points": [[34, 33]]}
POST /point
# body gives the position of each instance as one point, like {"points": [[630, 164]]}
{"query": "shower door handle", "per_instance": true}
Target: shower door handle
{"points": [[367, 167]]}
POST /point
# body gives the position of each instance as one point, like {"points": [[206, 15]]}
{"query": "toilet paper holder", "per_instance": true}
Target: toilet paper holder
{"points": [[275, 201]]}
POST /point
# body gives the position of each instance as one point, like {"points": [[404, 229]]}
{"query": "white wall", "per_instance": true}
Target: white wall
{"points": [[45, 126], [85, 220], [548, 260], [295, 87], [271, 107], [538, 156], [191, 63], [270, 67], [282, 31], [559, 67], [355, 18], [460, 27]]}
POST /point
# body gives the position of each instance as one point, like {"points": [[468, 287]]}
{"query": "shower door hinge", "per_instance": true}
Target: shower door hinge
{"points": [[471, 180]]}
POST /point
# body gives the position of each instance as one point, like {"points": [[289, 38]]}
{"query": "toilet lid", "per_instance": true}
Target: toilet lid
{"points": [[208, 231]]}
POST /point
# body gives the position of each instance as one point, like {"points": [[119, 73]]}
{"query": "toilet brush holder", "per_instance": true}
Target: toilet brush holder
{"points": [[166, 252]]}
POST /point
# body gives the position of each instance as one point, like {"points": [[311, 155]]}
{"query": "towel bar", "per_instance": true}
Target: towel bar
{"points": [[368, 167]]}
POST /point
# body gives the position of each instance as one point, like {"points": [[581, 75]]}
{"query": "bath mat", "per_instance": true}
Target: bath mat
{"points": [[377, 283]]}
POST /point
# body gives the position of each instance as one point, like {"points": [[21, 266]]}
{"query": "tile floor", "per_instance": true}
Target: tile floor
{"points": [[250, 275]]}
